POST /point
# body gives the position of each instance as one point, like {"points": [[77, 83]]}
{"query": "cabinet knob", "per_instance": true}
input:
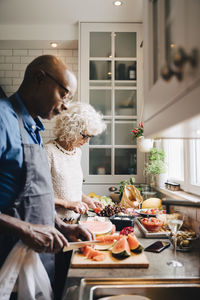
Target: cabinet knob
{"points": [[180, 57], [112, 189], [167, 72]]}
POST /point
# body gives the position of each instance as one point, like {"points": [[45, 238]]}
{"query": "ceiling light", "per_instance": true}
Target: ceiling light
{"points": [[117, 3], [54, 45]]}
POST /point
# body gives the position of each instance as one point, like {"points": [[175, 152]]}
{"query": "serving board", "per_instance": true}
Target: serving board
{"points": [[134, 261]]}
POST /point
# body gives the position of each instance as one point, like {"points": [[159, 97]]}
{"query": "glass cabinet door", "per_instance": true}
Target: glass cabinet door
{"points": [[112, 62]]}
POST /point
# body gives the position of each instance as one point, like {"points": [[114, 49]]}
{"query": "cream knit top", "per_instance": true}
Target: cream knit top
{"points": [[67, 175]]}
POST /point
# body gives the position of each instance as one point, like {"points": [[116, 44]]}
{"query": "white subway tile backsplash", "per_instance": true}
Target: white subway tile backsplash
{"points": [[7, 52], [35, 52], [74, 67], [9, 88], [27, 59], [16, 81], [2, 73], [20, 52], [12, 59], [12, 73], [75, 53], [64, 52], [2, 59], [71, 59], [5, 67], [5, 81], [50, 52], [19, 67]]}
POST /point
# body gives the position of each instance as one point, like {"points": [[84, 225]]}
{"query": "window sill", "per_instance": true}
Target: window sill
{"points": [[179, 197]]}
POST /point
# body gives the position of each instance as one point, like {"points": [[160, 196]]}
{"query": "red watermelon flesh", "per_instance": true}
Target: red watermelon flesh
{"points": [[121, 249], [97, 227], [134, 244]]}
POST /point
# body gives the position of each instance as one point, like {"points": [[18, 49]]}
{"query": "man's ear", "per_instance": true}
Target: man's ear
{"points": [[39, 76]]}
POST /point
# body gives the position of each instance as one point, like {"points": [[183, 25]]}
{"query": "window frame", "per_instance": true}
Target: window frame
{"points": [[187, 184]]}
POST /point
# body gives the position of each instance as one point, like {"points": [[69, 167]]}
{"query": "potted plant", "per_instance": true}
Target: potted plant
{"points": [[156, 164], [144, 145]]}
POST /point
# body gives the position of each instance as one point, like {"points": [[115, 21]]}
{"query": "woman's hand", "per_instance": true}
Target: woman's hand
{"points": [[78, 207], [92, 203]]}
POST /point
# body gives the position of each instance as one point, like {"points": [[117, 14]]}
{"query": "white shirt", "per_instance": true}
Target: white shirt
{"points": [[67, 175]]}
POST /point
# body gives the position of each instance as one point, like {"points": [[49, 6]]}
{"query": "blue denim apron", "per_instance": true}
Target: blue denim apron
{"points": [[35, 203]]}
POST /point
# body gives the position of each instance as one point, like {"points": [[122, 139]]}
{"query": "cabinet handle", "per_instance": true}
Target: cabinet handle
{"points": [[167, 72], [112, 189], [180, 57]]}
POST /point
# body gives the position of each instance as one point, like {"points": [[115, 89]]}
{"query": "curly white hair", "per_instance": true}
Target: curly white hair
{"points": [[79, 118]]}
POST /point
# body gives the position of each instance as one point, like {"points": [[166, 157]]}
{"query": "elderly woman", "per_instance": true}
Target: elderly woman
{"points": [[72, 130]]}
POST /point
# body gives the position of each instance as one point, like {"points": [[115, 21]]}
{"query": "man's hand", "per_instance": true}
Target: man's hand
{"points": [[74, 232], [43, 238]]}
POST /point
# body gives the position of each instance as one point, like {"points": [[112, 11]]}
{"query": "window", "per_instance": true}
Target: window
{"points": [[175, 158], [183, 161]]}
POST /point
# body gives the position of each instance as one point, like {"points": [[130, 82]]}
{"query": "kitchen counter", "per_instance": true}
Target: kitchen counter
{"points": [[158, 267]]}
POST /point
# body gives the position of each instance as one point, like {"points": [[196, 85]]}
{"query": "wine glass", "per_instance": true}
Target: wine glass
{"points": [[174, 225]]}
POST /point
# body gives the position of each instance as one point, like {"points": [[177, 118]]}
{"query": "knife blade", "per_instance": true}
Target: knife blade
{"points": [[77, 245]]}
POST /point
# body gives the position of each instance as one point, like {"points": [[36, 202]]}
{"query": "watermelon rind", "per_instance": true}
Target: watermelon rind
{"points": [[120, 250], [137, 250], [104, 247], [121, 255]]}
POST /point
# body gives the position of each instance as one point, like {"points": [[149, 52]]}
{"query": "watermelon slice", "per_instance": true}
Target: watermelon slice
{"points": [[121, 249], [134, 245], [108, 238], [97, 227]]}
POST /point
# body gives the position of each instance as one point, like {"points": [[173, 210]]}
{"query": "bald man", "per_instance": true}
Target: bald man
{"points": [[26, 194]]}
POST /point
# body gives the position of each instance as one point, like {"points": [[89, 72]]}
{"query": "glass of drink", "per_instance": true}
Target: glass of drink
{"points": [[174, 225]]}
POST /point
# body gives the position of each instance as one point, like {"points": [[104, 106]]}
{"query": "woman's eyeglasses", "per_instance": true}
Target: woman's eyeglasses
{"points": [[86, 136]]}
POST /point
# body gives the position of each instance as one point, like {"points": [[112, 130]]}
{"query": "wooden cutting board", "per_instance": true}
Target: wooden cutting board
{"points": [[134, 261]]}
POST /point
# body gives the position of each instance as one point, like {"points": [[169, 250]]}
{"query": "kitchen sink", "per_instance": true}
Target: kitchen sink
{"points": [[165, 289]]}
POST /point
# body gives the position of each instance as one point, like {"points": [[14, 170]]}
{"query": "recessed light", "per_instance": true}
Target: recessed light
{"points": [[54, 45], [117, 3]]}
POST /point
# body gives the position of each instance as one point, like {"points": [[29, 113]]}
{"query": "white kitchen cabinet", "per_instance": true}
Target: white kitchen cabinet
{"points": [[110, 57], [172, 39]]}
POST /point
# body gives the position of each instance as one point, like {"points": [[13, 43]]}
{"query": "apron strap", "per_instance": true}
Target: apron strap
{"points": [[17, 110]]}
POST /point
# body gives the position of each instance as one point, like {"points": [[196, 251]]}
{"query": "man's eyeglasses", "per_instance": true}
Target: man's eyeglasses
{"points": [[69, 95], [86, 136]]}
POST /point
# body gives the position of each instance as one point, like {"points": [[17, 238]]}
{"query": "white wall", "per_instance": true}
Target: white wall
{"points": [[13, 63]]}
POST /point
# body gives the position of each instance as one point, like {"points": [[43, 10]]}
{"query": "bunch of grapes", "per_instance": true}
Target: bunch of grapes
{"points": [[109, 211]]}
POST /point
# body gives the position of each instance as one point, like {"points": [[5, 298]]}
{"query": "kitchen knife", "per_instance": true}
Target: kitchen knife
{"points": [[77, 245]]}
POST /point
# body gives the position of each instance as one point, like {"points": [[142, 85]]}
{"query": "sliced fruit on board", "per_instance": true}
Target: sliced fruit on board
{"points": [[91, 253], [134, 245], [98, 227], [121, 249], [113, 229], [108, 238], [105, 246], [99, 257]]}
